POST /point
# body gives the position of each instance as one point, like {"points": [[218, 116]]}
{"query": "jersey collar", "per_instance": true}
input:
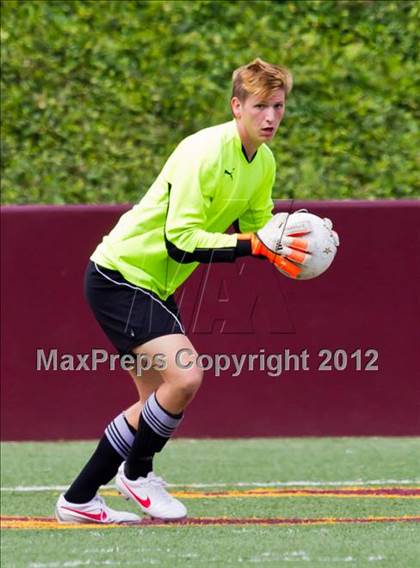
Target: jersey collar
{"points": [[239, 144]]}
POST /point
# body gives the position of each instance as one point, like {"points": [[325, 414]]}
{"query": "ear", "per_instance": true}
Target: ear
{"points": [[236, 106]]}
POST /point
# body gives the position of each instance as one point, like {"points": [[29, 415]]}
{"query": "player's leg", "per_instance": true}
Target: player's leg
{"points": [[113, 447], [181, 375], [81, 501], [146, 384], [163, 410], [160, 416]]}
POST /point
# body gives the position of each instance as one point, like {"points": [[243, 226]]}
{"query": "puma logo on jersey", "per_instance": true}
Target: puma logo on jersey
{"points": [[229, 173]]}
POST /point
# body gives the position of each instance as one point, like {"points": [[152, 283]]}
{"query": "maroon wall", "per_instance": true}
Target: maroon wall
{"points": [[369, 299]]}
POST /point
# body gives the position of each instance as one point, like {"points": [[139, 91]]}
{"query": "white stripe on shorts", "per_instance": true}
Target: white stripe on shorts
{"points": [[144, 292]]}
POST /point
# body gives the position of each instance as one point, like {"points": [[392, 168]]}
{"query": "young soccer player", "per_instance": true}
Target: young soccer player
{"points": [[217, 177]]}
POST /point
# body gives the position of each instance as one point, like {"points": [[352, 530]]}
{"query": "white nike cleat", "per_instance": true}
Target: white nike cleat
{"points": [[94, 511], [150, 494]]}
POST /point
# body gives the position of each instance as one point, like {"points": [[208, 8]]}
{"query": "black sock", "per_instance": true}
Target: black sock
{"points": [[104, 463], [156, 426], [140, 468], [139, 461], [99, 470]]}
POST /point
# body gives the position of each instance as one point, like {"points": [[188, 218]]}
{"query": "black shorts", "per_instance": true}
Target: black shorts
{"points": [[128, 314]]}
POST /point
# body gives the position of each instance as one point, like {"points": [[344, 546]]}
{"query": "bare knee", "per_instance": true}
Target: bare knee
{"points": [[188, 384]]}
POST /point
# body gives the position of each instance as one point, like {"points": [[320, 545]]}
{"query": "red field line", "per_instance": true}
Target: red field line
{"points": [[400, 492], [36, 523]]}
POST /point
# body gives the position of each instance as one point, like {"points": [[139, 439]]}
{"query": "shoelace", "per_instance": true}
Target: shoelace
{"points": [[100, 502], [157, 481], [160, 483]]}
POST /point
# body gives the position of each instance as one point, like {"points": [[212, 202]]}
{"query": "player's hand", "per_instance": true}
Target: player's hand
{"points": [[281, 243]]}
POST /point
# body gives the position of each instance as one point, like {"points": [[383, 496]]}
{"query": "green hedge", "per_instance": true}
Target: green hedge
{"points": [[96, 94]]}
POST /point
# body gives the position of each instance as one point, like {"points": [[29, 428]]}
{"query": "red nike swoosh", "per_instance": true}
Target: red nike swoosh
{"points": [[144, 502], [102, 516]]}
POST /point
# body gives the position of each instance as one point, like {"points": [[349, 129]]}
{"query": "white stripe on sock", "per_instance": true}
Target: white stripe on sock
{"points": [[119, 435], [158, 419]]}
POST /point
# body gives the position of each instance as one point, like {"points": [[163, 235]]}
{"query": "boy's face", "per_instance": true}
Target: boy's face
{"points": [[258, 119]]}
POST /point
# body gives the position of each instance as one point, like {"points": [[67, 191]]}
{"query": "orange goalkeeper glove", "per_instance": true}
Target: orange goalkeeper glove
{"points": [[282, 245]]}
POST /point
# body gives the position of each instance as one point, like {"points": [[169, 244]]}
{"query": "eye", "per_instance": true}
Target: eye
{"points": [[278, 105], [259, 105]]}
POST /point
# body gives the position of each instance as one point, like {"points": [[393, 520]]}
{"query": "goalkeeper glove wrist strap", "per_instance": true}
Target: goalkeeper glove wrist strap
{"points": [[250, 244], [243, 245], [255, 247]]}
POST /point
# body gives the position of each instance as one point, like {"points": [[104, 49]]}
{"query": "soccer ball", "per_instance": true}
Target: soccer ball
{"points": [[322, 242]]}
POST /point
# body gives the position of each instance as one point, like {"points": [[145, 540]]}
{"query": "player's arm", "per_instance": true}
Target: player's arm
{"points": [[186, 241], [191, 180], [190, 187], [269, 242]]}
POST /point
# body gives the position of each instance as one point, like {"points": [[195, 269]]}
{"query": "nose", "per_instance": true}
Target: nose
{"points": [[270, 115]]}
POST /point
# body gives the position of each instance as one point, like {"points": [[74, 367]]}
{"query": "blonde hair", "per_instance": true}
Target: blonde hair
{"points": [[261, 79]]}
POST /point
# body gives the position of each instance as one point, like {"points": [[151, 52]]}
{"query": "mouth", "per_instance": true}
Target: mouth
{"points": [[268, 131]]}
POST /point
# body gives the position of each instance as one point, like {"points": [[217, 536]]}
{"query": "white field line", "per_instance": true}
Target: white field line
{"points": [[354, 482]]}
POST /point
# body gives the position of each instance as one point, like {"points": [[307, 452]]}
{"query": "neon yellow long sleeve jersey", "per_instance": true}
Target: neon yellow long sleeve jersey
{"points": [[206, 185]]}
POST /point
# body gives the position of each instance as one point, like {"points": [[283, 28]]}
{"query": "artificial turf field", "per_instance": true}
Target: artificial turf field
{"points": [[280, 502]]}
